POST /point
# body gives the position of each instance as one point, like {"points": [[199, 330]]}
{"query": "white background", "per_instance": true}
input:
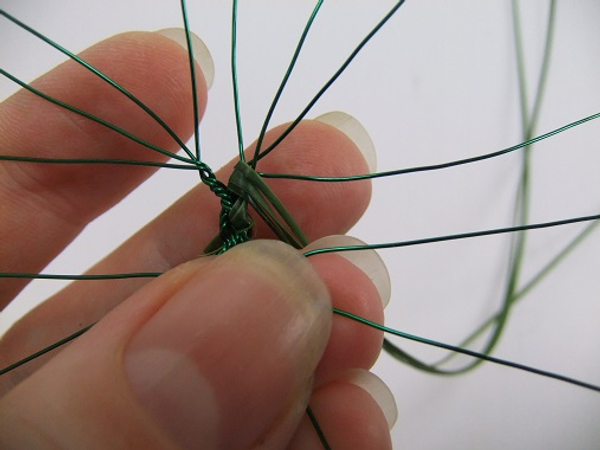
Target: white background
{"points": [[438, 83]]}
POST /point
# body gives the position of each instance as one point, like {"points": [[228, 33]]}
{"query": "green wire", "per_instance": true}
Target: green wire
{"points": [[529, 286], [330, 82], [522, 204], [108, 161], [284, 82], [454, 237], [104, 77], [523, 195], [323, 250], [95, 119], [234, 81], [45, 350], [190, 51], [433, 167], [371, 324], [479, 356], [47, 276], [317, 427]]}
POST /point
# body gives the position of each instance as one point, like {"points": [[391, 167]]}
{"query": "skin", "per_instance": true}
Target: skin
{"points": [[88, 394]]}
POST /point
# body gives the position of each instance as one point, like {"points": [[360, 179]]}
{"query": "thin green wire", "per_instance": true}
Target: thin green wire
{"points": [[190, 52], [94, 118], [107, 161], [45, 350], [284, 81], [454, 237], [522, 204], [433, 167], [88, 277], [371, 324], [479, 356], [330, 82], [530, 285], [104, 77], [234, 81], [317, 427], [323, 250], [523, 199]]}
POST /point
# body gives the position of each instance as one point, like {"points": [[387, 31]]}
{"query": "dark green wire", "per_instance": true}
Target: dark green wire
{"points": [[372, 325], [454, 237], [284, 81], [190, 52], [89, 277], [234, 81], [528, 125], [323, 250], [433, 167], [317, 427], [523, 196], [522, 204], [518, 241], [107, 161], [529, 286], [479, 356], [96, 119], [330, 82], [45, 350], [104, 77]]}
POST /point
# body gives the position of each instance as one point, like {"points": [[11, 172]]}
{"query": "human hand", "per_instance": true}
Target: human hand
{"points": [[220, 352]]}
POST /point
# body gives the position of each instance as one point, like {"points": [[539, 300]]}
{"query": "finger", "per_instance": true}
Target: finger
{"points": [[46, 205], [218, 353], [355, 411], [359, 283], [182, 232]]}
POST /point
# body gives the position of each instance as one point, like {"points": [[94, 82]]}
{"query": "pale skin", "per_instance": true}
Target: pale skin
{"points": [[233, 334]]}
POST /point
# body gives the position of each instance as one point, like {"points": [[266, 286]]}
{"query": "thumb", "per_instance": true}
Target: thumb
{"points": [[217, 353]]}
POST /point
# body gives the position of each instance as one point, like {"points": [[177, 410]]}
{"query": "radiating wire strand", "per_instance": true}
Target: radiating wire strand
{"points": [[190, 52], [234, 82], [468, 352], [432, 167], [103, 76], [284, 81], [94, 118], [332, 80]]}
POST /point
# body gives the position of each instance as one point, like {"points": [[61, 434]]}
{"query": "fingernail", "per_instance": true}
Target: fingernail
{"points": [[201, 54], [368, 261], [380, 392], [252, 324], [356, 132]]}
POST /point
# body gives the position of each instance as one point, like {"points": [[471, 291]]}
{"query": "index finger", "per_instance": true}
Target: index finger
{"points": [[46, 206]]}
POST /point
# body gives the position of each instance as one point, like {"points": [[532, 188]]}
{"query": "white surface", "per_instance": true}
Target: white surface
{"points": [[437, 84]]}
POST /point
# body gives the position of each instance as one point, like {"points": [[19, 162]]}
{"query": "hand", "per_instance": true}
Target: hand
{"points": [[220, 352]]}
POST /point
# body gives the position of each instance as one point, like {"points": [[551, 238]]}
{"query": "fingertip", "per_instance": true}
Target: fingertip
{"points": [[348, 415], [316, 148], [200, 51], [356, 286], [378, 390], [365, 259], [357, 133]]}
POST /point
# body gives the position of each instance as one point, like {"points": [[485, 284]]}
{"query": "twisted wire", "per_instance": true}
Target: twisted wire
{"points": [[232, 231]]}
